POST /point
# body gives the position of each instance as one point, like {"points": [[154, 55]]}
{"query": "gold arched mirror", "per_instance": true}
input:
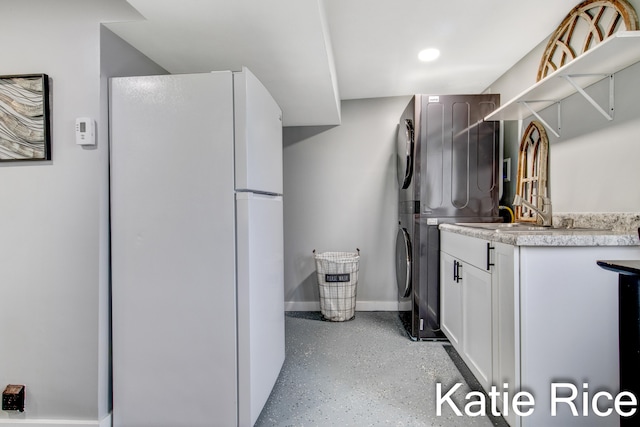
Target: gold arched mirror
{"points": [[531, 187], [585, 26]]}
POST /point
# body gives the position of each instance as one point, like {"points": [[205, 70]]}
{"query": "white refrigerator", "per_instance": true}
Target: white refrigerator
{"points": [[196, 249]]}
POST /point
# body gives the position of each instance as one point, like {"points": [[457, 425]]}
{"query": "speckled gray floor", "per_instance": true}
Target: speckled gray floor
{"points": [[363, 372]]}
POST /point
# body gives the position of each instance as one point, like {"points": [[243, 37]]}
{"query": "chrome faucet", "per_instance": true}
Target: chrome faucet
{"points": [[545, 214]]}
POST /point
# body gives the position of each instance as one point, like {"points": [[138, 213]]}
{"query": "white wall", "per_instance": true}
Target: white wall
{"points": [[593, 165], [340, 193], [54, 220]]}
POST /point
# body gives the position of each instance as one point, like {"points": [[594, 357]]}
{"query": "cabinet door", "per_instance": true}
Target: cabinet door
{"points": [[450, 301], [466, 317], [477, 328]]}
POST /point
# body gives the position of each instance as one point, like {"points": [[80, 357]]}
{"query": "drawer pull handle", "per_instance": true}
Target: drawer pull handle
{"points": [[456, 271], [489, 249]]}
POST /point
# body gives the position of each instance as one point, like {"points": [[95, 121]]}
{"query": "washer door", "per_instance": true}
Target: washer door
{"points": [[405, 144], [403, 263]]}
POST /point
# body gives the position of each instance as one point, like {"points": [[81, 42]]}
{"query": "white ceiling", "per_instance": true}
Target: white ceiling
{"points": [[312, 53]]}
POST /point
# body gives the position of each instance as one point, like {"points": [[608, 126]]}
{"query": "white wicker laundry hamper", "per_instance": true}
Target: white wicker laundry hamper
{"points": [[337, 274]]}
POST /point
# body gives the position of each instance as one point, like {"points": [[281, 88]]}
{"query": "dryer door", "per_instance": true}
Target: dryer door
{"points": [[403, 263], [405, 145]]}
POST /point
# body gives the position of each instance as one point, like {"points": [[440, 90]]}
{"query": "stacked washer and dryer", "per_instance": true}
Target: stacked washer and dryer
{"points": [[448, 171]]}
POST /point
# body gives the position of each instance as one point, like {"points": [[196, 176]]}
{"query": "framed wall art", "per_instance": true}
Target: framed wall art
{"points": [[24, 118]]}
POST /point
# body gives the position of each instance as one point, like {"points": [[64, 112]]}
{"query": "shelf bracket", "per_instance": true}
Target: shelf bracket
{"points": [[581, 91], [543, 121]]}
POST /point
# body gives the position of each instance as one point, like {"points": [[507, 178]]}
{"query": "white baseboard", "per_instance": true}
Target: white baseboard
{"points": [[18, 422], [360, 306]]}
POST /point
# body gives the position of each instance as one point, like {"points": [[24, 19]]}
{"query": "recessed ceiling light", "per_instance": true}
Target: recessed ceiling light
{"points": [[428, 54]]}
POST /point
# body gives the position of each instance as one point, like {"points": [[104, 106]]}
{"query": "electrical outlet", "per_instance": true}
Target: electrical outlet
{"points": [[13, 398], [506, 169]]}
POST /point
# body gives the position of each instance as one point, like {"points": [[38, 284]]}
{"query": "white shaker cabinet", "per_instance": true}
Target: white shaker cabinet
{"points": [[568, 330], [466, 302], [451, 299], [553, 319]]}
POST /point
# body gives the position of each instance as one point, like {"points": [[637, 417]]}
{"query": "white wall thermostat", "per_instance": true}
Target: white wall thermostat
{"points": [[85, 131]]}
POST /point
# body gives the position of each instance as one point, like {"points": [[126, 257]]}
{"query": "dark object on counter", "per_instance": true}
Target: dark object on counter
{"points": [[629, 328], [506, 213]]}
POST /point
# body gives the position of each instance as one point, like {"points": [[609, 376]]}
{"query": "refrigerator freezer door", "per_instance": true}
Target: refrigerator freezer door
{"points": [[258, 133], [173, 257], [260, 300]]}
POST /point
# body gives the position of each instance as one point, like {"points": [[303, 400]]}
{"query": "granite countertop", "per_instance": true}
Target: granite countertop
{"points": [[621, 230]]}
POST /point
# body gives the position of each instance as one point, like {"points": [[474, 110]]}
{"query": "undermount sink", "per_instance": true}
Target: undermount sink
{"points": [[520, 227]]}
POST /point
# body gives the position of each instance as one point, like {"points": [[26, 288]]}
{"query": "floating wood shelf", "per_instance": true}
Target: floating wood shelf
{"points": [[610, 56]]}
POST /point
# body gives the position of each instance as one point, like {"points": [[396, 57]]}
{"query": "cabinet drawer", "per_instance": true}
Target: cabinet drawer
{"points": [[468, 249]]}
